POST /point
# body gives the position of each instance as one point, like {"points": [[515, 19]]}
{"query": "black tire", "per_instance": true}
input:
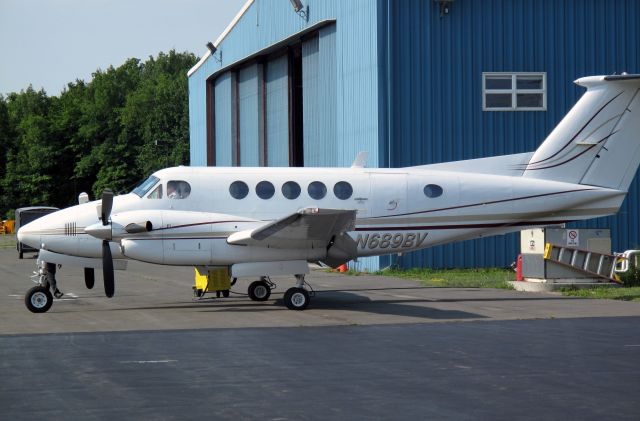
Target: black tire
{"points": [[38, 299], [259, 291], [296, 298], [225, 293]]}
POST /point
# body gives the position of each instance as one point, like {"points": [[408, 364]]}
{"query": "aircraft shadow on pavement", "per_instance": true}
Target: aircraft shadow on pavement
{"points": [[325, 300]]}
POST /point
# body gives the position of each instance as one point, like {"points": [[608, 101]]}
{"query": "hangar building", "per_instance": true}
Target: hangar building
{"points": [[412, 82]]}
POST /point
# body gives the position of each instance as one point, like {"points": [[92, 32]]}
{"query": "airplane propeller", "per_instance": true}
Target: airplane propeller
{"points": [[107, 259], [104, 230]]}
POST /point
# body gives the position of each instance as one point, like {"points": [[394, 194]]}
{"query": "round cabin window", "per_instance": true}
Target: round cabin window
{"points": [[291, 190], [432, 190], [317, 190], [238, 189], [265, 190], [342, 190]]}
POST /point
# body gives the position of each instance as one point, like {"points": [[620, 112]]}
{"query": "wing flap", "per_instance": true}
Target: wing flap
{"points": [[307, 228]]}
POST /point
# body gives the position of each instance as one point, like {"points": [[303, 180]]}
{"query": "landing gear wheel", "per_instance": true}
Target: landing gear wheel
{"points": [[259, 291], [296, 298], [38, 299]]}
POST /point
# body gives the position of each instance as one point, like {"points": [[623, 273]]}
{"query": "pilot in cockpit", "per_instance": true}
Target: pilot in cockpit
{"points": [[178, 189]]}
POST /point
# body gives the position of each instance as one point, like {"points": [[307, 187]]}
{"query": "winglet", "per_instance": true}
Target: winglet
{"points": [[361, 160]]}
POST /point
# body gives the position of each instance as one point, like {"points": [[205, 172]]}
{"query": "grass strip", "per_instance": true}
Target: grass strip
{"points": [[456, 278], [605, 292]]}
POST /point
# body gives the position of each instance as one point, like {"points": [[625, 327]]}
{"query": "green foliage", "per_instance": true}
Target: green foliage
{"points": [[631, 278], [612, 292], [94, 135]]}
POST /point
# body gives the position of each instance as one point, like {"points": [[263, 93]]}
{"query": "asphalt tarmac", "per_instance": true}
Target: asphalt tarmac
{"points": [[368, 347]]}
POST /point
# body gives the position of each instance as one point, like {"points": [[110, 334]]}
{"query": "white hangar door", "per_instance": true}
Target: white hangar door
{"points": [[250, 112], [224, 135]]}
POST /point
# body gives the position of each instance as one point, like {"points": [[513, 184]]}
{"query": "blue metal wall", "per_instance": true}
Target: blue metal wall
{"points": [[431, 89]]}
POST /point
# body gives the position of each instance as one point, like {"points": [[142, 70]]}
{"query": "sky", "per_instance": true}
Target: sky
{"points": [[49, 43]]}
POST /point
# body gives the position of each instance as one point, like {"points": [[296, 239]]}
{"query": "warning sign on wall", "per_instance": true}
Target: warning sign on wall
{"points": [[573, 238]]}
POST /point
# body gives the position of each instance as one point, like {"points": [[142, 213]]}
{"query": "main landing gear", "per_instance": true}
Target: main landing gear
{"points": [[261, 290], [296, 298]]}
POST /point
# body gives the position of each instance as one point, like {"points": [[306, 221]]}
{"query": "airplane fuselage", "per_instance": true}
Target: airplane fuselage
{"points": [[398, 210]]}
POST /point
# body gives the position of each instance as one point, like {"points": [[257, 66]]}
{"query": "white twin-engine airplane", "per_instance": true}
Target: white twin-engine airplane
{"points": [[261, 222]]}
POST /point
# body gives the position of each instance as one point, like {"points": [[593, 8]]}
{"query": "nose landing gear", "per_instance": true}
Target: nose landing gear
{"points": [[39, 299]]}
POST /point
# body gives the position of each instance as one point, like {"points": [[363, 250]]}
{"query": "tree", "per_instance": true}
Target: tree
{"points": [[94, 135]]}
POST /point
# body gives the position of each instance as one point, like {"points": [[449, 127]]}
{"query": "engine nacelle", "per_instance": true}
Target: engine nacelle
{"points": [[150, 251]]}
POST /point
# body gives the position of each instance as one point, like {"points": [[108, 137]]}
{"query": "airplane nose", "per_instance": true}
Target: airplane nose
{"points": [[27, 235]]}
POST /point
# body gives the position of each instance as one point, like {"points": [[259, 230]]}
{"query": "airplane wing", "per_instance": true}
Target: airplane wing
{"points": [[307, 228]]}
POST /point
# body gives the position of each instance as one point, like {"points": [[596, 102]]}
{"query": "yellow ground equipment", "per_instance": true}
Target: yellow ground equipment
{"points": [[209, 280]]}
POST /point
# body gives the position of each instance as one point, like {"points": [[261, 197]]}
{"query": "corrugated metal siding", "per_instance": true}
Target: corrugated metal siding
{"points": [[249, 115], [277, 123], [434, 70], [354, 66], [319, 97], [223, 131], [197, 120], [312, 111]]}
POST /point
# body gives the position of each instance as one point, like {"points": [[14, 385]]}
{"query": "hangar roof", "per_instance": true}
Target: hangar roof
{"points": [[224, 33]]}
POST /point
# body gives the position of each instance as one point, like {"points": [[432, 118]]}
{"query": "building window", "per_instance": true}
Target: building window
{"points": [[514, 91]]}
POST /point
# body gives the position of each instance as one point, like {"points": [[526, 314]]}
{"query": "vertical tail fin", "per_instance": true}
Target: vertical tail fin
{"points": [[598, 141]]}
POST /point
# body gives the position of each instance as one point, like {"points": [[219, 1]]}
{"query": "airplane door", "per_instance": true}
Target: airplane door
{"points": [[361, 199], [388, 193]]}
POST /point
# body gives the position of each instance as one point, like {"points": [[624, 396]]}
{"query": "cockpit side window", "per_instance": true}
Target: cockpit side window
{"points": [[178, 189], [144, 187], [156, 193]]}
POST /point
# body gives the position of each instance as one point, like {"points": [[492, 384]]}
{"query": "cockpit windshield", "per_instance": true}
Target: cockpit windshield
{"points": [[145, 186]]}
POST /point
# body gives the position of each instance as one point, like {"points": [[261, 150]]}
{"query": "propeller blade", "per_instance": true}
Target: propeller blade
{"points": [[107, 269], [107, 204]]}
